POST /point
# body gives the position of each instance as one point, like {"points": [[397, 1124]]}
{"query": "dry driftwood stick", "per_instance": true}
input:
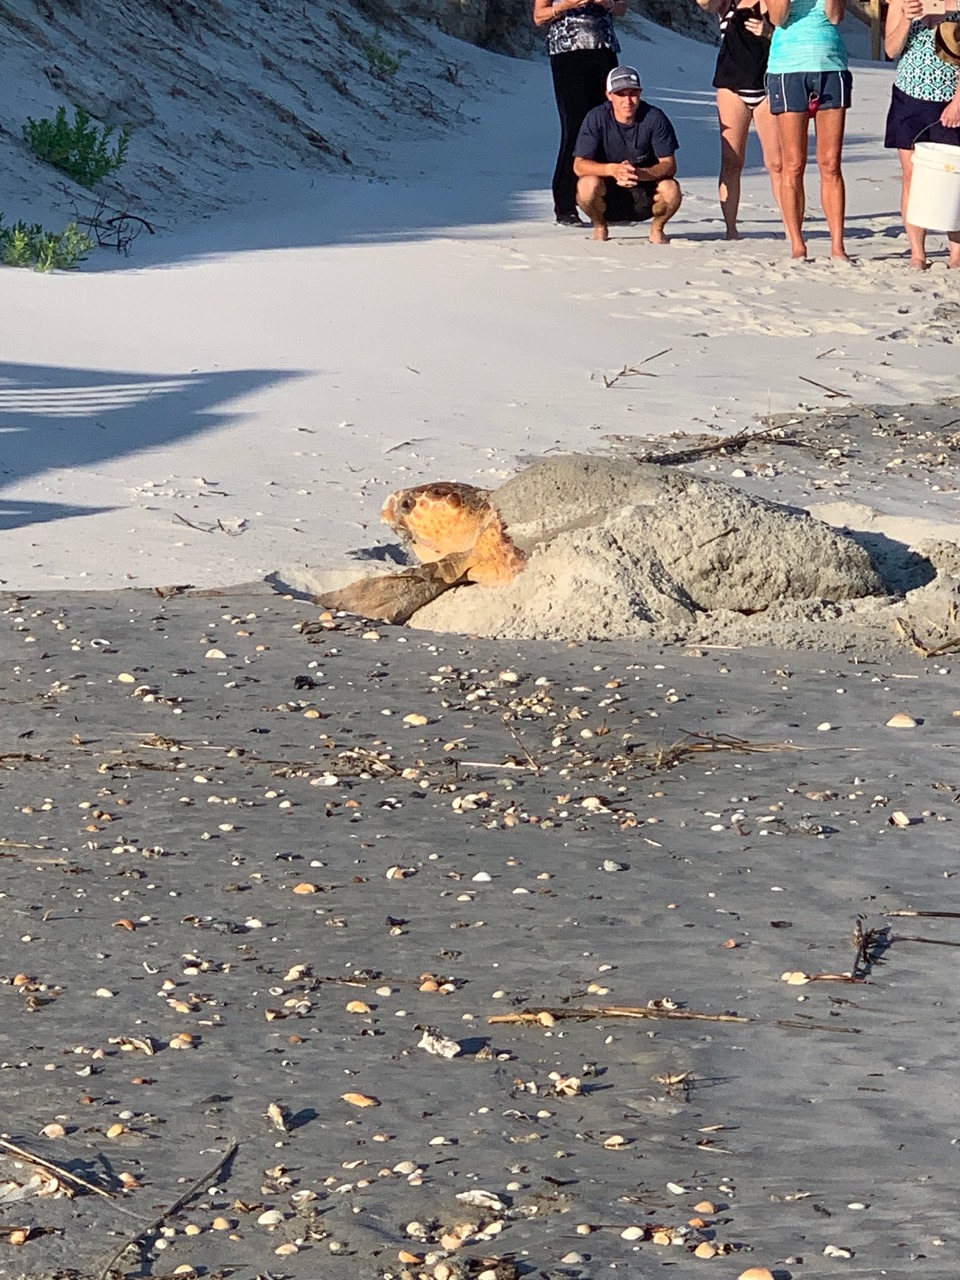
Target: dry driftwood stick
{"points": [[54, 1168], [933, 942], [150, 1227], [613, 1011], [519, 741], [927, 915], [831, 391], [925, 650], [817, 1026]]}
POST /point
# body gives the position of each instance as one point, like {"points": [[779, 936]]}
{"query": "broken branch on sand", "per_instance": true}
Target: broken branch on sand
{"points": [[635, 370], [933, 942], [928, 915], [151, 1226], [831, 391], [58, 1169], [796, 1025], [926, 650], [546, 1017], [519, 741]]}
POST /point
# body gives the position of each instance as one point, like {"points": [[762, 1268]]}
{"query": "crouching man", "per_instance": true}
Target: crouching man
{"points": [[625, 160]]}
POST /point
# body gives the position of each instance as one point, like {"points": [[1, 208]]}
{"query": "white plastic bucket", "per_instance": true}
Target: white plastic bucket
{"points": [[934, 201]]}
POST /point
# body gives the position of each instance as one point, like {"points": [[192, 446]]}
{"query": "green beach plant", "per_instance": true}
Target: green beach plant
{"points": [[383, 64], [30, 245], [81, 150]]}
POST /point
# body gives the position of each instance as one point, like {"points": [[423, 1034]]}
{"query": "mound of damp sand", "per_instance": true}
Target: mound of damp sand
{"points": [[620, 548]]}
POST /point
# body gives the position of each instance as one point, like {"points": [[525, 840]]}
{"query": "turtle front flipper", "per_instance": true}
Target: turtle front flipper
{"points": [[455, 567]]}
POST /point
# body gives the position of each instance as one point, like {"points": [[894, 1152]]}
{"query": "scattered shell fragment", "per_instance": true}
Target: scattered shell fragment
{"points": [[126, 678], [360, 1100], [705, 1206], [415, 718], [756, 1273], [437, 1044], [795, 977], [53, 1130], [277, 1117], [358, 1006], [900, 819], [902, 720], [632, 1233], [270, 1218], [837, 1251], [567, 1086], [305, 887], [705, 1250], [482, 1200]]}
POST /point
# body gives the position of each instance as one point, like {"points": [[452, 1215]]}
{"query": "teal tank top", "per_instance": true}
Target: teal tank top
{"points": [[807, 42]]}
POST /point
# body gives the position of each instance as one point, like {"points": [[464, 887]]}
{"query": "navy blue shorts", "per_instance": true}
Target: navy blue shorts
{"points": [[911, 120], [630, 204], [797, 90]]}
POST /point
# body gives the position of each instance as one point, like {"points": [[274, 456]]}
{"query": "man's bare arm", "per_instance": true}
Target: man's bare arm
{"points": [[666, 167], [778, 11], [584, 168]]}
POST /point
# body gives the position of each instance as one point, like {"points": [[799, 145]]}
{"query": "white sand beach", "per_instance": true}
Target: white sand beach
{"points": [[269, 372]]}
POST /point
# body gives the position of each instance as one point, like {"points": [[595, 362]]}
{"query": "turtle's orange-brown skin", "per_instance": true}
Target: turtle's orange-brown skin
{"points": [[456, 527]]}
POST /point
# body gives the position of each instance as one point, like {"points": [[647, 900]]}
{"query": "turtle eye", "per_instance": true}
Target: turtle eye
{"points": [[407, 504]]}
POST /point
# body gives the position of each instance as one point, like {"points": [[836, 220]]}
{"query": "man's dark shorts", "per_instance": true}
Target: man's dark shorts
{"points": [[630, 204]]}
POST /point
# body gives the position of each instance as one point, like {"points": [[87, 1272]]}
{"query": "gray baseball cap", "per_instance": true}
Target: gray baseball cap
{"points": [[623, 78]]}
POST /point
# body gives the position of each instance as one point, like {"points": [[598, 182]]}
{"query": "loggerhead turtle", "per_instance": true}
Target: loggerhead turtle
{"points": [[455, 528]]}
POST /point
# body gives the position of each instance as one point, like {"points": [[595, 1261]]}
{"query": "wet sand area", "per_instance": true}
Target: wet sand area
{"points": [[389, 953]]}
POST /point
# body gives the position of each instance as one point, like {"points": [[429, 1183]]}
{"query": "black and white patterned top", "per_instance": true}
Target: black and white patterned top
{"points": [[587, 28], [920, 73]]}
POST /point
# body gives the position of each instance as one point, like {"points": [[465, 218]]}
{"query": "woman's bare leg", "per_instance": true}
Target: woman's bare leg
{"points": [[833, 196], [770, 142], [793, 130], [916, 236], [734, 117]]}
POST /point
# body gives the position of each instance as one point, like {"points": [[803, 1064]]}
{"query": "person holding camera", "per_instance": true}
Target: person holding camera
{"points": [[925, 103], [583, 48], [808, 79], [625, 160], [739, 80]]}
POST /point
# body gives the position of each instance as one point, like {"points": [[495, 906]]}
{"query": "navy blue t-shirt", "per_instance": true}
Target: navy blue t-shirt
{"points": [[603, 138]]}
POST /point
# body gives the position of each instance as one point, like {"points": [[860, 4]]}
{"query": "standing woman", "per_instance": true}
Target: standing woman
{"points": [[807, 77], [925, 101], [741, 98], [583, 48]]}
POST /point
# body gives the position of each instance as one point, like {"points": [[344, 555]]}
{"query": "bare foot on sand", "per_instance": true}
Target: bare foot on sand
{"points": [[600, 231], [843, 256], [919, 264], [658, 236], [732, 233], [798, 249]]}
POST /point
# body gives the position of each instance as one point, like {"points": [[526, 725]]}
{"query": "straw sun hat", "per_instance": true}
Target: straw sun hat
{"points": [[947, 42]]}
